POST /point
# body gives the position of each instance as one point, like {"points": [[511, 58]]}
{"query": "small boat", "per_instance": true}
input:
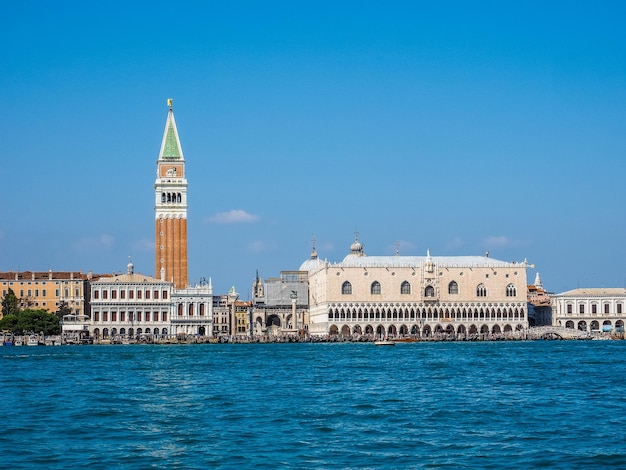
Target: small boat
{"points": [[384, 342], [32, 341], [18, 342]]}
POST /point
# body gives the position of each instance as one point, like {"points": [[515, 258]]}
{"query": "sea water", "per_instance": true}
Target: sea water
{"points": [[553, 404]]}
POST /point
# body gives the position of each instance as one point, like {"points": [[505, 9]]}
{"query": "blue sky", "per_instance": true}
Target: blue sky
{"points": [[458, 127]]}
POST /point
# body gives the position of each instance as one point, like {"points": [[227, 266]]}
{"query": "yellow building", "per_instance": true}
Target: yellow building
{"points": [[48, 290]]}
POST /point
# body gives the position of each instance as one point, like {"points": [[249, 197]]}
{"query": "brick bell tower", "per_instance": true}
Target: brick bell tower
{"points": [[170, 208]]}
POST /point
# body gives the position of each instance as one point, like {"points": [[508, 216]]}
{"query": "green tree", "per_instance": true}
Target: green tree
{"points": [[10, 304], [38, 321], [9, 323], [63, 310]]}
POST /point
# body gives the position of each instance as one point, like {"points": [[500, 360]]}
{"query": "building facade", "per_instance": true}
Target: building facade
{"points": [[171, 208], [280, 306], [130, 305], [192, 312], [420, 296], [49, 290], [594, 310], [539, 304]]}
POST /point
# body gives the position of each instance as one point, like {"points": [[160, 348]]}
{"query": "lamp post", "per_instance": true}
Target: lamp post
{"points": [[232, 298], [294, 299]]}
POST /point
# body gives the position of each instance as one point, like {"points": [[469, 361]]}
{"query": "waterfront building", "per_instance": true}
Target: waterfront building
{"points": [[458, 296], [221, 315], [539, 304], [193, 310], [593, 310], [130, 305], [281, 305], [49, 290], [170, 208]]}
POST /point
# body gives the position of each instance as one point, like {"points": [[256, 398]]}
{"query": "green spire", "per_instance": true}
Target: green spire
{"points": [[171, 148]]}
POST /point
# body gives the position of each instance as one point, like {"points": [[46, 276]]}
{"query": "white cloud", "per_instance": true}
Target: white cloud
{"points": [[497, 242], [454, 244], [234, 216], [103, 242], [256, 247], [144, 245]]}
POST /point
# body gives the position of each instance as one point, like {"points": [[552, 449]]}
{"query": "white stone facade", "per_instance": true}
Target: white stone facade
{"points": [[593, 310], [420, 296], [130, 305]]}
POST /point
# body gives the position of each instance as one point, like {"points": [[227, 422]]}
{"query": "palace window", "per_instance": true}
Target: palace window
{"points": [[569, 308], [96, 294], [511, 291], [375, 288], [581, 309], [481, 290], [346, 288], [453, 288], [619, 308], [405, 288], [606, 308], [164, 296], [429, 291], [594, 308]]}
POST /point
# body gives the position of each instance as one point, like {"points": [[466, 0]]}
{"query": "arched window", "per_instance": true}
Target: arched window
{"points": [[375, 288], [346, 288], [405, 288], [453, 288], [511, 291], [481, 290], [162, 197], [429, 291]]}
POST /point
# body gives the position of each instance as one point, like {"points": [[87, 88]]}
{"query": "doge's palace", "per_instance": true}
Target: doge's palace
{"points": [[418, 296]]}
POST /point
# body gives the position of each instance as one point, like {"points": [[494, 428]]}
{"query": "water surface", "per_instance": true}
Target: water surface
{"points": [[557, 404]]}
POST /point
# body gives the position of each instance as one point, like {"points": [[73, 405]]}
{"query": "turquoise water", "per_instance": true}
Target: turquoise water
{"points": [[554, 404]]}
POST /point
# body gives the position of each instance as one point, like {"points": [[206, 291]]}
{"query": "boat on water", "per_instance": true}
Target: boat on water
{"points": [[384, 342], [18, 342], [32, 341]]}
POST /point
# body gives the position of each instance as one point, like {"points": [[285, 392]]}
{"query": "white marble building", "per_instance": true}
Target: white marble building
{"points": [[459, 296], [593, 310], [131, 305]]}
